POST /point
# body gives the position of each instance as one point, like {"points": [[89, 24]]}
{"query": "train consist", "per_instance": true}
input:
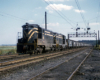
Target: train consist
{"points": [[36, 39]]}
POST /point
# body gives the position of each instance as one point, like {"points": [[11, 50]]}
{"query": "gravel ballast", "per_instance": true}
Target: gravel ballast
{"points": [[90, 70], [29, 71], [63, 71]]}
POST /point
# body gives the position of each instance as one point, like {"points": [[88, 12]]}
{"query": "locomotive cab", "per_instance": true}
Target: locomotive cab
{"points": [[28, 42]]}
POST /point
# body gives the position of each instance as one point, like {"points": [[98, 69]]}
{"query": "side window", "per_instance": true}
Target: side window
{"points": [[40, 33], [54, 40], [43, 30], [63, 39]]}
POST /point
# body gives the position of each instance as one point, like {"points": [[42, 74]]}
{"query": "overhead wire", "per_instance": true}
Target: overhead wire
{"points": [[62, 13], [6, 14], [98, 13], [78, 5], [59, 14]]}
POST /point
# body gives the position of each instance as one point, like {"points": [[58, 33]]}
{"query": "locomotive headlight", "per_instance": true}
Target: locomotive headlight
{"points": [[25, 47]]}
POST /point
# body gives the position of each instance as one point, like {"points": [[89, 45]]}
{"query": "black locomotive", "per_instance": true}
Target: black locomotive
{"points": [[36, 40]]}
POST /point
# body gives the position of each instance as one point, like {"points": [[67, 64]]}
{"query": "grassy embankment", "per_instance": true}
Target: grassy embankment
{"points": [[6, 50], [97, 48]]}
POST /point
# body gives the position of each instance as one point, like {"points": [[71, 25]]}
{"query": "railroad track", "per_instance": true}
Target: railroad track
{"points": [[10, 65], [8, 57], [16, 56], [39, 74], [71, 76]]}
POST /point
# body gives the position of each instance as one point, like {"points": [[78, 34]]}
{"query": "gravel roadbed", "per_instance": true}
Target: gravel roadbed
{"points": [[90, 70], [63, 71], [29, 71]]}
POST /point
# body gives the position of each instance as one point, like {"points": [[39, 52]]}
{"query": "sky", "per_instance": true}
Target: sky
{"points": [[62, 17]]}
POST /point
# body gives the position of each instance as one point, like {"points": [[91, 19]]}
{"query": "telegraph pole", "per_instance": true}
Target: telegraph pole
{"points": [[46, 20], [98, 37], [68, 36], [95, 38], [77, 30]]}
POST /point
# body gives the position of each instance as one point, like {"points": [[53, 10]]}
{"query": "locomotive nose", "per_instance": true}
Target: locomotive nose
{"points": [[25, 47]]}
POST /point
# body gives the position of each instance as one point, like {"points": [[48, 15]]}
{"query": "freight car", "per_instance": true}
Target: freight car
{"points": [[36, 39]]}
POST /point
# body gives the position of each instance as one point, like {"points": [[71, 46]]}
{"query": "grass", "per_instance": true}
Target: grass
{"points": [[97, 48], [5, 50]]}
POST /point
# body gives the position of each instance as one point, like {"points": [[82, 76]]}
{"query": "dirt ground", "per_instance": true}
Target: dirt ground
{"points": [[90, 70], [63, 71], [32, 70]]}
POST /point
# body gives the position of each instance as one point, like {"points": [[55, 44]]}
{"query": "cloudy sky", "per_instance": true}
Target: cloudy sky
{"points": [[62, 16]]}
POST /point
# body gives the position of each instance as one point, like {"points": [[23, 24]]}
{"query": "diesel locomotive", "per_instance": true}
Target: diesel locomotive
{"points": [[37, 39]]}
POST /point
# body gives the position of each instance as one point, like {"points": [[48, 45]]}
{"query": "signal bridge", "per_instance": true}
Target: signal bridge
{"points": [[72, 35]]}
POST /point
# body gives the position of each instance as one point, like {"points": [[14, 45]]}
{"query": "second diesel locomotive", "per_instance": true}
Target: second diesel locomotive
{"points": [[36, 39]]}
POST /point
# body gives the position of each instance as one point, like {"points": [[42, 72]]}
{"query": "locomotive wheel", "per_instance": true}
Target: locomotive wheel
{"points": [[51, 50], [35, 51], [30, 53], [55, 49], [58, 49], [40, 50]]}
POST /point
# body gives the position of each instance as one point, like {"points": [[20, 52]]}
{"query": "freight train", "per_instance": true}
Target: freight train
{"points": [[36, 39]]}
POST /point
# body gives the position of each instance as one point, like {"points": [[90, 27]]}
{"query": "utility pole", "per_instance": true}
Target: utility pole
{"points": [[77, 30], [98, 37], [68, 36], [46, 20], [88, 28]]}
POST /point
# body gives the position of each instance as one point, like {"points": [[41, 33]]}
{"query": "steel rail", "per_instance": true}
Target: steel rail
{"points": [[5, 68], [6, 57], [33, 58], [70, 77], [53, 67]]}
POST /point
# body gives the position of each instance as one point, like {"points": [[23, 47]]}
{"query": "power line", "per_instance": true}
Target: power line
{"points": [[62, 13], [98, 12], [12, 16], [59, 16], [78, 5], [58, 13]]}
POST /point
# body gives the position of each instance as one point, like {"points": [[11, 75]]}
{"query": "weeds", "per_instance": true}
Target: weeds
{"points": [[7, 50]]}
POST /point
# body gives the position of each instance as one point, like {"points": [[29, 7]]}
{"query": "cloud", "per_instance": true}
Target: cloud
{"points": [[35, 14], [50, 11], [38, 8], [78, 11], [30, 21], [59, 7], [52, 24], [57, 0], [93, 24]]}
